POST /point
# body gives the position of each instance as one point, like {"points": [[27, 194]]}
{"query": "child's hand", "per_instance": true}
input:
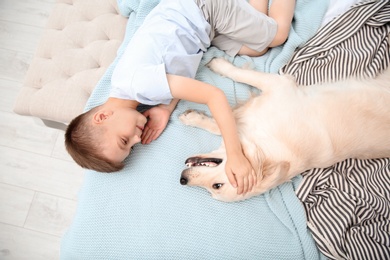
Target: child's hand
{"points": [[240, 173], [158, 118]]}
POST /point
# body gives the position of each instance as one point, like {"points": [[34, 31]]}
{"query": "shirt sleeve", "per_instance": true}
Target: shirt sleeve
{"points": [[148, 85]]}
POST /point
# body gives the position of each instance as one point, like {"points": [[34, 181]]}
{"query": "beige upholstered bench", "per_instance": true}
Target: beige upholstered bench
{"points": [[79, 42]]}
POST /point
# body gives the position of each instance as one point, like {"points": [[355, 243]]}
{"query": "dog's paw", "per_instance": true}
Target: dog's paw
{"points": [[200, 120], [192, 117], [221, 66]]}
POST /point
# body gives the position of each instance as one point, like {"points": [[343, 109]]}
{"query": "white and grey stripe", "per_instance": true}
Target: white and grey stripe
{"points": [[354, 44], [348, 208], [348, 204]]}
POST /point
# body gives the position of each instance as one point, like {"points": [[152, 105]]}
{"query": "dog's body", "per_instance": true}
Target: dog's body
{"points": [[289, 129]]}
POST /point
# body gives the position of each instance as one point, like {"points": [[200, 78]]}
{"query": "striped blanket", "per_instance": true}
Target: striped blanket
{"points": [[348, 205]]}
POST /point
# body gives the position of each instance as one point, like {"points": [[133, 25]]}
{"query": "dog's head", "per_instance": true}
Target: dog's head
{"points": [[208, 171]]}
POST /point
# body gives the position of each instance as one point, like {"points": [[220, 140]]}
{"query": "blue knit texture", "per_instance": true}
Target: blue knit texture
{"points": [[143, 212]]}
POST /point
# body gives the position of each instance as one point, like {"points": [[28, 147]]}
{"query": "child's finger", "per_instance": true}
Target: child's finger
{"points": [[254, 176], [250, 182], [240, 185], [246, 185], [151, 134], [154, 135], [146, 136], [231, 178]]}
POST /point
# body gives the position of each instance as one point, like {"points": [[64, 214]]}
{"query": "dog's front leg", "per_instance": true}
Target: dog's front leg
{"points": [[200, 120], [257, 79]]}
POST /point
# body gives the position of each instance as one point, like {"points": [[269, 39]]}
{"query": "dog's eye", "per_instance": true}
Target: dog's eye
{"points": [[216, 186]]}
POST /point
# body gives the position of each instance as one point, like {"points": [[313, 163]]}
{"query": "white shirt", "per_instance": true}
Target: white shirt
{"points": [[171, 40]]}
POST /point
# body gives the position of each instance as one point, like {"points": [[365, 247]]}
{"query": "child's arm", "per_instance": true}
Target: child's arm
{"points": [[158, 118], [238, 169]]}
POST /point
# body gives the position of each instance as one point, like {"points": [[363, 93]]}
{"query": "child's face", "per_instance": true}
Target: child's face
{"points": [[123, 130]]}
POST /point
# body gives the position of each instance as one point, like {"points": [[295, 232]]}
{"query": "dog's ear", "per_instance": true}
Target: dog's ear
{"points": [[274, 173], [267, 169], [256, 158], [280, 169]]}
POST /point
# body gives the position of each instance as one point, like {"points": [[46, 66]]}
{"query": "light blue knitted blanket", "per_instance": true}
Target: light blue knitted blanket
{"points": [[143, 212]]}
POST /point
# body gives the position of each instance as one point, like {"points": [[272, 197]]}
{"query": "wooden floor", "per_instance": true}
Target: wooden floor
{"points": [[38, 180]]}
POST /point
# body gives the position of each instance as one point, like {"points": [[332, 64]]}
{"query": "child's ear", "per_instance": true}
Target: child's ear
{"points": [[101, 115]]}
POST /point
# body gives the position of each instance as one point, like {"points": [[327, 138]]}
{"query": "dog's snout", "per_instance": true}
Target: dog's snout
{"points": [[183, 181]]}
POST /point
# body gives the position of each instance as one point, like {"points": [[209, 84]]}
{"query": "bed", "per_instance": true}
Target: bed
{"points": [[142, 212]]}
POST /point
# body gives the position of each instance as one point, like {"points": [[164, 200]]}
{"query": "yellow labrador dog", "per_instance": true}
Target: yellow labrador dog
{"points": [[289, 129]]}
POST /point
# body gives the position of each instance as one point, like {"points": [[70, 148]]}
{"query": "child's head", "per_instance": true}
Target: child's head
{"points": [[102, 138]]}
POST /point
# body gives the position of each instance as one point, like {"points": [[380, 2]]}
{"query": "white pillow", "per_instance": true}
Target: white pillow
{"points": [[337, 7]]}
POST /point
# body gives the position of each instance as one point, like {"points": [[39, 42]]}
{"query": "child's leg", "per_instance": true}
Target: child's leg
{"points": [[239, 27], [282, 11], [261, 6], [244, 50]]}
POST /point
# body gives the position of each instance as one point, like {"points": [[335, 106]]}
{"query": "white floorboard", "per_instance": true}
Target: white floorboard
{"points": [[39, 182]]}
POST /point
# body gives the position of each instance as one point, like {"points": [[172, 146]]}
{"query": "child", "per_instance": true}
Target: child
{"points": [[158, 68]]}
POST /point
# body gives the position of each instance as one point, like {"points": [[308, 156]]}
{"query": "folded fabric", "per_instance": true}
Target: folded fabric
{"points": [[143, 212], [348, 208], [354, 44], [348, 204]]}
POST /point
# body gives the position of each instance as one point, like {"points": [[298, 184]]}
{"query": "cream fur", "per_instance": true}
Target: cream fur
{"points": [[289, 129]]}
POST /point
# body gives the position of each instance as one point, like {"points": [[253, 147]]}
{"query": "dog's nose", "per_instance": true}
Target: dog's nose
{"points": [[183, 181]]}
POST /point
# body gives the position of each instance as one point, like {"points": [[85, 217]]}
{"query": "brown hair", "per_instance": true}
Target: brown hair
{"points": [[81, 142]]}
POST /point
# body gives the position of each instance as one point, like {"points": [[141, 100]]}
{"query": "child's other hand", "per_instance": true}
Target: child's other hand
{"points": [[240, 173], [158, 118]]}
